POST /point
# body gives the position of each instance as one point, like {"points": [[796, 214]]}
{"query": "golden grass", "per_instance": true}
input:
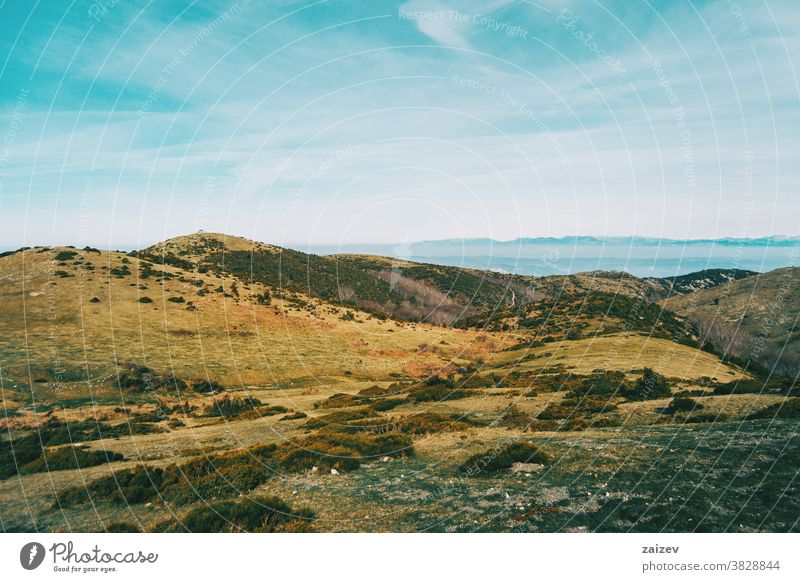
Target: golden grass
{"points": [[620, 352]]}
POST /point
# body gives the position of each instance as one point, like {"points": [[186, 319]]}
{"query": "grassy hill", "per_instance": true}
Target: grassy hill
{"points": [[755, 318], [212, 376]]}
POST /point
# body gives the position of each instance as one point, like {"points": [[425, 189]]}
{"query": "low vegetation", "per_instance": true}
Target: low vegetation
{"points": [[503, 456]]}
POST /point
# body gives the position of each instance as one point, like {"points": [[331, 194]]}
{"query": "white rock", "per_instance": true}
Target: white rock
{"points": [[314, 469], [334, 472]]}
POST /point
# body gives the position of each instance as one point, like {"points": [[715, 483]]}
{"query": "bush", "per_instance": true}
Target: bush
{"points": [[503, 456], [340, 400], [145, 300], [231, 406], [26, 449], [789, 408], [438, 392], [177, 299], [65, 255], [336, 418], [387, 404], [683, 404], [295, 416], [650, 386], [124, 487], [122, 527], [70, 458], [204, 386], [257, 514], [513, 417], [143, 379], [431, 423]]}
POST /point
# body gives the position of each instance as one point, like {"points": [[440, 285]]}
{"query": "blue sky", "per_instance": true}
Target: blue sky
{"points": [[123, 123]]}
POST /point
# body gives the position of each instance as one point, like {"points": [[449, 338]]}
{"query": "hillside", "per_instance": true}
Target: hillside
{"points": [[755, 318], [404, 290], [702, 280], [139, 388]]}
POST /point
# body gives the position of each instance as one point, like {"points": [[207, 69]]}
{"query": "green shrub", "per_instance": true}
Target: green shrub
{"points": [[127, 486], [503, 456], [257, 514], [438, 392], [340, 401], [272, 410], [650, 386], [145, 299], [70, 458], [65, 255], [143, 379], [336, 418], [432, 423], [204, 386], [513, 417], [683, 404], [231, 406], [23, 450], [295, 416], [387, 404], [122, 527], [789, 408]]}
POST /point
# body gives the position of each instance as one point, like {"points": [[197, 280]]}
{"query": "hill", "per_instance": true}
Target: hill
{"points": [[156, 390], [701, 280], [755, 318]]}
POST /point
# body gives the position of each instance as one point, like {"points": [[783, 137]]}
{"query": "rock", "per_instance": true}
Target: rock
{"points": [[314, 469], [526, 467], [385, 459], [334, 472]]}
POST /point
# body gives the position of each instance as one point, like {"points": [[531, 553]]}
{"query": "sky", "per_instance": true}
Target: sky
{"points": [[343, 121]]}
